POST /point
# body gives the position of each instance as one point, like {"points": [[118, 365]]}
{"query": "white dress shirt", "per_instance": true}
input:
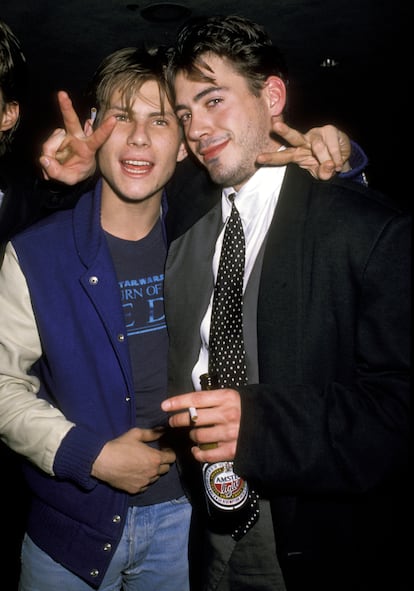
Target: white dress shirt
{"points": [[256, 202]]}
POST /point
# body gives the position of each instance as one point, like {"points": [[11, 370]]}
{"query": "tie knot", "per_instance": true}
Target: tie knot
{"points": [[231, 197]]}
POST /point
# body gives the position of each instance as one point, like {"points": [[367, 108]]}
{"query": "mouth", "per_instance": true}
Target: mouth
{"points": [[137, 167], [212, 151]]}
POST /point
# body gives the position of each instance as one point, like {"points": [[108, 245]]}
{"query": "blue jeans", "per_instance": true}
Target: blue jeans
{"points": [[151, 556]]}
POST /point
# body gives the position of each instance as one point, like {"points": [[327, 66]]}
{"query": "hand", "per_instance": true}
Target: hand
{"points": [[129, 464], [68, 155], [323, 151], [218, 420]]}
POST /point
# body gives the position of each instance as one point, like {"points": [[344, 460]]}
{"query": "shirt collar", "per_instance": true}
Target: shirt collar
{"points": [[259, 190]]}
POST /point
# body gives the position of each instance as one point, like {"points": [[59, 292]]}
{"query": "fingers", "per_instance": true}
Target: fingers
{"points": [[68, 155], [165, 466], [178, 403], [206, 437], [69, 115], [322, 150], [290, 135], [86, 146], [329, 143], [147, 435], [276, 158], [129, 463], [53, 143], [53, 154], [219, 452], [101, 134], [326, 170], [180, 407], [298, 155], [202, 399], [64, 153], [327, 152], [335, 142], [50, 167]]}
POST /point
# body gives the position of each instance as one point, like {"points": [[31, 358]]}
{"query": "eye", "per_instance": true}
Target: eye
{"points": [[122, 117], [213, 102], [184, 118], [160, 122]]}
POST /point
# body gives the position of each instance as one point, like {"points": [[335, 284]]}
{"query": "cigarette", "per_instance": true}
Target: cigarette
{"points": [[193, 413], [93, 114]]}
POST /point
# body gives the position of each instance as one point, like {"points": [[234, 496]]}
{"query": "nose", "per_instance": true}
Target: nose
{"points": [[198, 127], [138, 134]]}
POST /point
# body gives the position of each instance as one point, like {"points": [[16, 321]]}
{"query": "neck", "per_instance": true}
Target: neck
{"points": [[130, 220]]}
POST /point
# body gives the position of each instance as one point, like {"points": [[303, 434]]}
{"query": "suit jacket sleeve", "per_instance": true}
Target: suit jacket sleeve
{"points": [[331, 412]]}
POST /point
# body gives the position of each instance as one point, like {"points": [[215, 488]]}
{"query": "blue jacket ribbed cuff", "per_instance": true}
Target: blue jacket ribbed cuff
{"points": [[75, 456]]}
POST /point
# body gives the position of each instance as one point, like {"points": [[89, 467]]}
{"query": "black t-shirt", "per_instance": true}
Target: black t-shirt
{"points": [[140, 270]]}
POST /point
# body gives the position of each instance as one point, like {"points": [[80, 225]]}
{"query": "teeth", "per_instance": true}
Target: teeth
{"points": [[137, 162]]}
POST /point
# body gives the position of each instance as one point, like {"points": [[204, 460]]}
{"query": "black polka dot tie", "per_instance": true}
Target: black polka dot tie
{"points": [[226, 344], [227, 361]]}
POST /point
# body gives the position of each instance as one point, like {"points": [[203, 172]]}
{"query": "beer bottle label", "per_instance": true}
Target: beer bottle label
{"points": [[224, 488]]}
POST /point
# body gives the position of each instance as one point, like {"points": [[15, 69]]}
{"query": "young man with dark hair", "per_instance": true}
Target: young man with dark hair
{"points": [[320, 429]]}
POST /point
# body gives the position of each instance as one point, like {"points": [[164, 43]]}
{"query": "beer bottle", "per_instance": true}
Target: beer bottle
{"points": [[225, 491]]}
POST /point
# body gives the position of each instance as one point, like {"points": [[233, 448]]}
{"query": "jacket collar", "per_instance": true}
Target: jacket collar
{"points": [[87, 227]]}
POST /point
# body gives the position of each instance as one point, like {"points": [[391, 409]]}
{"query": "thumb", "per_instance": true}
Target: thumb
{"points": [[50, 167], [44, 163]]}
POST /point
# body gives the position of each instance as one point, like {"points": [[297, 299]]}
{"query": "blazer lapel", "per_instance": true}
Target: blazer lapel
{"points": [[189, 285]]}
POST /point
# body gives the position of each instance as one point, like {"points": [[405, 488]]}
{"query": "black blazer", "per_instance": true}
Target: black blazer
{"points": [[325, 434]]}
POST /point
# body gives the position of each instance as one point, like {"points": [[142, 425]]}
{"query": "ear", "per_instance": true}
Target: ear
{"points": [[275, 90], [182, 152], [10, 116]]}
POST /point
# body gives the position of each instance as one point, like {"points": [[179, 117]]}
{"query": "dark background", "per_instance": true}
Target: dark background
{"points": [[366, 93]]}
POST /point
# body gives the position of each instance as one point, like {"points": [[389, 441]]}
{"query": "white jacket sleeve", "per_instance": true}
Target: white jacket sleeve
{"points": [[28, 424]]}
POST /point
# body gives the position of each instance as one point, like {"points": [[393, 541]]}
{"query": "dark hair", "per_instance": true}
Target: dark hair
{"points": [[245, 44], [126, 70], [13, 75]]}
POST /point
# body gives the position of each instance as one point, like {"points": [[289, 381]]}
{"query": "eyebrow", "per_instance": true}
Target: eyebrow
{"points": [[200, 95], [164, 113], [117, 108]]}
